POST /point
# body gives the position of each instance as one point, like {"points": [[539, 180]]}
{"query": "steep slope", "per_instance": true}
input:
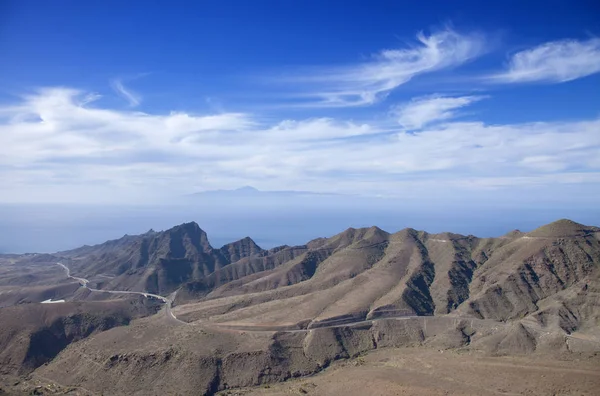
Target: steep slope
{"points": [[368, 274], [248, 268], [533, 267], [359, 273], [33, 334], [158, 262], [365, 247], [235, 251]]}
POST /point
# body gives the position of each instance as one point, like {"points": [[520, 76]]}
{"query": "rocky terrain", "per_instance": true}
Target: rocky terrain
{"points": [[425, 371], [33, 334], [245, 316]]}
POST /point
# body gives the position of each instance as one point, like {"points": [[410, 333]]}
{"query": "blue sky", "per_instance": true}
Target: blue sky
{"points": [[111, 101]]}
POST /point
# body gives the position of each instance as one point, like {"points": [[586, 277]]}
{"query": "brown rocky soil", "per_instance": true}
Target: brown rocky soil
{"points": [[482, 311], [425, 371]]}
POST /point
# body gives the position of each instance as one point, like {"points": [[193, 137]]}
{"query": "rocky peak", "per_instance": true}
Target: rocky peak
{"points": [[562, 228], [237, 250]]}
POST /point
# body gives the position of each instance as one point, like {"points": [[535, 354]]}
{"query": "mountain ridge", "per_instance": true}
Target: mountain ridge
{"points": [[292, 310], [425, 274]]}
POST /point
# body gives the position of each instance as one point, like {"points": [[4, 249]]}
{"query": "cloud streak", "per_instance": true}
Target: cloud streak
{"points": [[429, 109], [370, 82], [553, 62], [54, 141], [131, 97]]}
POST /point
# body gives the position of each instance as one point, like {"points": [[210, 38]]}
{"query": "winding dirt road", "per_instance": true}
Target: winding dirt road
{"points": [[84, 283]]}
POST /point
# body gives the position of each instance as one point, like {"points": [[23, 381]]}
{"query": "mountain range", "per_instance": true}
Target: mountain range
{"points": [[366, 273], [239, 305]]}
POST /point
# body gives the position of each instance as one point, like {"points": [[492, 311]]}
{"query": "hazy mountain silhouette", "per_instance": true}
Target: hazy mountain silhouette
{"points": [[251, 192]]}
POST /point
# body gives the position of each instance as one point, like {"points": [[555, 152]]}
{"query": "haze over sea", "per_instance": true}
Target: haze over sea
{"points": [[271, 219]]}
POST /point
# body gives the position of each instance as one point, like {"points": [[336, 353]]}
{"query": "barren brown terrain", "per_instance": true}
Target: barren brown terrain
{"points": [[426, 371], [362, 312]]}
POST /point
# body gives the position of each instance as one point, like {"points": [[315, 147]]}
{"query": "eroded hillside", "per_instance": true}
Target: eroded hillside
{"points": [[246, 316]]}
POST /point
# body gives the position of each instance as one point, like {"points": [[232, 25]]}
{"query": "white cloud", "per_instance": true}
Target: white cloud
{"points": [[366, 83], [555, 62], [131, 97], [320, 129], [546, 163], [428, 109], [54, 144]]}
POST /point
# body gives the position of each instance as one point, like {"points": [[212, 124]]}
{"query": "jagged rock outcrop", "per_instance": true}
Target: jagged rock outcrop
{"points": [[158, 262]]}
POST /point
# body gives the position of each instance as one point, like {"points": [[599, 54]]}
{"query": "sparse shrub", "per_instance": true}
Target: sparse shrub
{"points": [[359, 361]]}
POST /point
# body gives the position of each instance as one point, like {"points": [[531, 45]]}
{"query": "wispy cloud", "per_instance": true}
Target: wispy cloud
{"points": [[52, 142], [428, 109], [554, 62], [130, 96], [367, 83]]}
